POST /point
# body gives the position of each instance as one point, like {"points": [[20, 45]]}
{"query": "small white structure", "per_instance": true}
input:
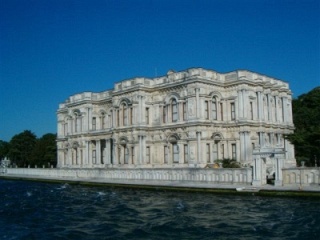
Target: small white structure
{"points": [[267, 164], [5, 163]]}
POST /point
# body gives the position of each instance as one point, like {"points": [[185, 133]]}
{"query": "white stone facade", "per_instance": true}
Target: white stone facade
{"points": [[184, 119]]}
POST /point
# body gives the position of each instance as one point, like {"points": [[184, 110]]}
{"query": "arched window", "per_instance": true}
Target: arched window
{"points": [[214, 108], [174, 108]]}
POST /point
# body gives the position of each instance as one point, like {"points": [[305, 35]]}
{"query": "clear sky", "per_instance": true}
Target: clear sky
{"points": [[51, 49]]}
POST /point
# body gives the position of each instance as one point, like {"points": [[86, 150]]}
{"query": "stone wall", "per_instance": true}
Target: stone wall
{"points": [[300, 176], [223, 176]]}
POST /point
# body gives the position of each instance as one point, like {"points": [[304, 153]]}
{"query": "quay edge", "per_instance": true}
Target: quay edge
{"points": [[265, 191]]}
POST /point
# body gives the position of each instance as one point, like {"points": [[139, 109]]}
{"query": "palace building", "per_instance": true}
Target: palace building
{"points": [[184, 119]]}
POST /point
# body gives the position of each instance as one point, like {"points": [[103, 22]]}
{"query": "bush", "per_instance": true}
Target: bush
{"points": [[228, 163]]}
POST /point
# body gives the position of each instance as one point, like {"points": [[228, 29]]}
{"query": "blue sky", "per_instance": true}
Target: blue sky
{"points": [[52, 49]]}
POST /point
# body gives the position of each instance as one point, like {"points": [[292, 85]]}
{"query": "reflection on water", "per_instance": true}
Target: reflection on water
{"points": [[31, 210]]}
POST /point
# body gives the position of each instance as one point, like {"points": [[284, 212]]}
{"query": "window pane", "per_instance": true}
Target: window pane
{"points": [[174, 110], [214, 109], [175, 153]]}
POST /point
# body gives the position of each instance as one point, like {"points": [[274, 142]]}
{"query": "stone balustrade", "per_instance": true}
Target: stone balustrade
{"points": [[216, 176], [304, 176]]}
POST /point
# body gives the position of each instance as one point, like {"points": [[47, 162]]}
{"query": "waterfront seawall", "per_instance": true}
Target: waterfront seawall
{"points": [[237, 176]]}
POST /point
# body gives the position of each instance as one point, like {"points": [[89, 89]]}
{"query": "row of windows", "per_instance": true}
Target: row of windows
{"points": [[170, 113], [126, 155]]}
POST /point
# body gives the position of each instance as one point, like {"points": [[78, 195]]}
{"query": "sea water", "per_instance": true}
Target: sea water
{"points": [[33, 210]]}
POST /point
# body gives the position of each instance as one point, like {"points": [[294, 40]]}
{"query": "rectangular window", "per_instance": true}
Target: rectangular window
{"points": [[251, 110], [125, 116], [234, 151], [148, 154], [214, 109], [147, 115], [119, 155], [164, 114], [175, 152], [208, 152], [132, 155], [102, 121], [185, 148], [111, 118], [215, 151], [118, 118], [233, 111], [94, 123], [131, 116], [222, 151], [174, 111], [221, 111], [206, 109], [165, 154], [184, 105]]}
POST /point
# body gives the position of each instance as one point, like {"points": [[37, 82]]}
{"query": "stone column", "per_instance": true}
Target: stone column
{"points": [[98, 152], [276, 109], [289, 119], [180, 111], [284, 110], [245, 103], [69, 156], [140, 149], [89, 122], [244, 141], [240, 110], [198, 147], [60, 127], [279, 166], [115, 156], [197, 103], [108, 152], [261, 139], [259, 106], [256, 171], [242, 146], [247, 146], [69, 126], [140, 110], [267, 108], [90, 154], [181, 153]]}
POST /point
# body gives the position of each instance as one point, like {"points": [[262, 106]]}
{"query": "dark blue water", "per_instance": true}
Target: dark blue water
{"points": [[31, 210]]}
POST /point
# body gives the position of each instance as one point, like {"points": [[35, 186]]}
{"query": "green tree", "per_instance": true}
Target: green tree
{"points": [[228, 163], [21, 147], [4, 149], [45, 151], [306, 118]]}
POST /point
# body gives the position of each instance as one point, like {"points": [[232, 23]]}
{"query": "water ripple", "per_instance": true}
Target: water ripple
{"points": [[30, 210]]}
